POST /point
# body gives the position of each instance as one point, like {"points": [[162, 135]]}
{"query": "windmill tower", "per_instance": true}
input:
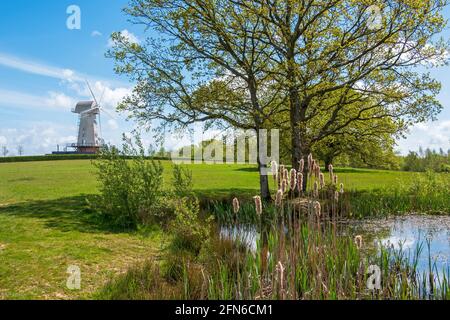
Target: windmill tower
{"points": [[89, 140], [89, 129]]}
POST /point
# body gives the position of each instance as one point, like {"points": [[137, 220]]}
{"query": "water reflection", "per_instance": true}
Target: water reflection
{"points": [[409, 232], [406, 233]]}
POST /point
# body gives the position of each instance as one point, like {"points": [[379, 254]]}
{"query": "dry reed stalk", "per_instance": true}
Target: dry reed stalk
{"points": [[236, 206]]}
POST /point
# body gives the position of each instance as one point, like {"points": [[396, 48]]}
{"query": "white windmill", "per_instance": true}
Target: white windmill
{"points": [[89, 129]]}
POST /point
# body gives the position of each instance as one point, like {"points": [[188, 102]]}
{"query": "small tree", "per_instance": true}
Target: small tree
{"points": [[20, 150], [5, 151]]}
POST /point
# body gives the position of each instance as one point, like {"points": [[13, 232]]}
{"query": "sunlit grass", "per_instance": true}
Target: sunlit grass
{"points": [[55, 179]]}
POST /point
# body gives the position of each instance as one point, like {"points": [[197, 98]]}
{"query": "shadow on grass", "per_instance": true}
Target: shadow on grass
{"points": [[337, 170], [225, 194], [65, 214]]}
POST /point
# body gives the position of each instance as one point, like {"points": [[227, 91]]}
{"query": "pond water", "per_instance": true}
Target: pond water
{"points": [[405, 233]]}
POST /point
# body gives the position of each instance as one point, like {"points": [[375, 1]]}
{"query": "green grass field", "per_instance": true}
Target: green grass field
{"points": [[30, 181], [45, 227]]}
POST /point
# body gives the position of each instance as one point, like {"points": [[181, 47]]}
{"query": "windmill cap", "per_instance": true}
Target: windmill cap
{"points": [[84, 106]]}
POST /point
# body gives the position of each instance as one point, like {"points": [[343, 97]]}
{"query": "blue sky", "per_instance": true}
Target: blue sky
{"points": [[43, 65]]}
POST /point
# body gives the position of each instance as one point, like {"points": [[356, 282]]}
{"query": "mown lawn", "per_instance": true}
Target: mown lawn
{"points": [[30, 181], [45, 227]]}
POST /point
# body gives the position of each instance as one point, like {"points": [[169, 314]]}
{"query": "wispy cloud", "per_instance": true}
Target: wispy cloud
{"points": [[54, 100], [47, 70], [38, 68], [96, 33], [433, 135], [112, 91]]}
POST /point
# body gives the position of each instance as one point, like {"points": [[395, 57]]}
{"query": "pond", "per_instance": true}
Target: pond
{"points": [[405, 233]]}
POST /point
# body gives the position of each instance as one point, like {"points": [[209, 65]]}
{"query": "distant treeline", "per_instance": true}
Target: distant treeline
{"points": [[427, 160], [54, 157]]}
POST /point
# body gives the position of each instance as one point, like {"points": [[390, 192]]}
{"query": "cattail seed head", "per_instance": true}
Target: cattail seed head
{"points": [[281, 169], [310, 164], [342, 188], [331, 170], [284, 185], [300, 182], [258, 205], [301, 165], [286, 174], [322, 180], [279, 198], [359, 241], [293, 179], [335, 179], [274, 167], [336, 196], [317, 209], [236, 205]]}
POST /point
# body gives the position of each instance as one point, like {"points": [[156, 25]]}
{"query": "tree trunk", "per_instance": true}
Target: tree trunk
{"points": [[328, 161], [262, 170], [300, 147], [264, 182]]}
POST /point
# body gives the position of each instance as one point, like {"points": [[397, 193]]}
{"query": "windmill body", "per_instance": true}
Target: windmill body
{"points": [[88, 134]]}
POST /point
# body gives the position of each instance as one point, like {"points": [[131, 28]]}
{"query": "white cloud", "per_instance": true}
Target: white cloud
{"points": [[68, 76], [37, 138], [131, 37], [112, 124], [433, 135], [37, 68], [96, 33], [112, 92], [3, 140], [107, 96], [56, 100]]}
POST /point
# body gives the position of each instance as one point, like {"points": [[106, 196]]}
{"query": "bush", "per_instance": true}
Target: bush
{"points": [[190, 234], [131, 191]]}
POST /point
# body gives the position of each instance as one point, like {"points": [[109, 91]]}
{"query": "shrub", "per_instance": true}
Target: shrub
{"points": [[190, 234], [130, 190], [182, 181]]}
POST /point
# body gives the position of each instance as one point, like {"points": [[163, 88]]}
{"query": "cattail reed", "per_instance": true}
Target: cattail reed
{"points": [[336, 196], [286, 174], [279, 198], [236, 205], [310, 164], [335, 180], [317, 209], [300, 182], [301, 165], [331, 170], [284, 185], [359, 241], [316, 190], [322, 180], [316, 169], [258, 205], [342, 188], [274, 167], [293, 179], [281, 172], [280, 270]]}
